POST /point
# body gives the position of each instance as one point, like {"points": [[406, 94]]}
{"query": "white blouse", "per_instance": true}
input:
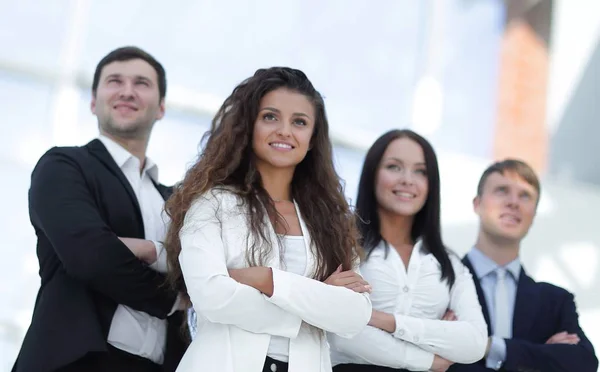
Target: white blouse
{"points": [[418, 299], [294, 258]]}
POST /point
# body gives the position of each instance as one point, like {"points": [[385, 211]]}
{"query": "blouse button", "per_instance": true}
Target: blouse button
{"points": [[273, 367], [405, 289]]}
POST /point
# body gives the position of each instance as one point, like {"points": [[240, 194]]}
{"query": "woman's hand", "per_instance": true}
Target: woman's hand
{"points": [[348, 279], [440, 364], [258, 277], [449, 316], [184, 302], [384, 321]]}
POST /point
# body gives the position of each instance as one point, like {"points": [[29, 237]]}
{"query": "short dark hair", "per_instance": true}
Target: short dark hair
{"points": [[516, 166], [128, 53], [426, 224]]}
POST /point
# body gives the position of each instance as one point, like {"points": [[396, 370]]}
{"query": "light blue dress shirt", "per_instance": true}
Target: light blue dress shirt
{"points": [[485, 270]]}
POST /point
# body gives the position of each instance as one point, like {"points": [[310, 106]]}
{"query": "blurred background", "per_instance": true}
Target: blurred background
{"points": [[481, 79]]}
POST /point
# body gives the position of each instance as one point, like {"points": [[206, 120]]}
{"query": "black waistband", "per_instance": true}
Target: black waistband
{"points": [[272, 365], [364, 368]]}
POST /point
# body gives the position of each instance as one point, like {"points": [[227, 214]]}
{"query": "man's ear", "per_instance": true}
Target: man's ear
{"points": [[161, 110], [93, 104], [476, 204]]}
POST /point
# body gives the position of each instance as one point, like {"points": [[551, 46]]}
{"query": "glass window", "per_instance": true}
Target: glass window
{"points": [[175, 144], [366, 77], [25, 107], [469, 65], [348, 163], [32, 32]]}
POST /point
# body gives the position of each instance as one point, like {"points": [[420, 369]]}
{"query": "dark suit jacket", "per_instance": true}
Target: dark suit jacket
{"points": [[79, 203], [541, 311]]}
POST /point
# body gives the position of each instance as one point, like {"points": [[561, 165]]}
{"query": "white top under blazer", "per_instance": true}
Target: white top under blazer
{"points": [[235, 322], [418, 298], [294, 259]]}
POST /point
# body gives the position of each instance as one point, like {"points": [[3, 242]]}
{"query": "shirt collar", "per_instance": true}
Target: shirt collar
{"points": [[420, 246], [483, 265], [122, 157], [417, 246]]}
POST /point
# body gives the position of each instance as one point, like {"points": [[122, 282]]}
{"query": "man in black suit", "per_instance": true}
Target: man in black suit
{"points": [[533, 326], [97, 212]]}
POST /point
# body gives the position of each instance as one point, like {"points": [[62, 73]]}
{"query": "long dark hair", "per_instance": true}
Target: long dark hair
{"points": [[426, 224], [227, 161]]}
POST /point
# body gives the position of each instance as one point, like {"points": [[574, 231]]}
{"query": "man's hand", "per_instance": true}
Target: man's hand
{"points": [[440, 364], [142, 249], [348, 279], [564, 338]]}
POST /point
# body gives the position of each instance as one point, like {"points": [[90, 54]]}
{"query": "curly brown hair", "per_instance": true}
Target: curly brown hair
{"points": [[228, 161]]}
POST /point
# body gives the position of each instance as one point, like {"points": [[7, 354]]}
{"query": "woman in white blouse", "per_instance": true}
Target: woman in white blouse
{"points": [[262, 236], [426, 314]]}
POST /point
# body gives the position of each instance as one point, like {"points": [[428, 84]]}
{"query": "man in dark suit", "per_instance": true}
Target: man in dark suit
{"points": [[97, 212], [533, 326]]}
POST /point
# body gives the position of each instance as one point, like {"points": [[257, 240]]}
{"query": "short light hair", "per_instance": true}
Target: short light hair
{"points": [[516, 166]]}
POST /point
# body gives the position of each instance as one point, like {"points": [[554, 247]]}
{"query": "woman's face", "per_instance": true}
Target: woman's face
{"points": [[283, 129], [401, 184]]}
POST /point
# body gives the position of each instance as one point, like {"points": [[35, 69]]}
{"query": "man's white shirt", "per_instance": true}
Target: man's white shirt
{"points": [[133, 331]]}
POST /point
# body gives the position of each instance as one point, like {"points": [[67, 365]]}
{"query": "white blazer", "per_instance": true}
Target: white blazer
{"points": [[235, 321]]}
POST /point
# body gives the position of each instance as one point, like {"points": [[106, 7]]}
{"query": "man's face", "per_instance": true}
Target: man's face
{"points": [[127, 101], [506, 206]]}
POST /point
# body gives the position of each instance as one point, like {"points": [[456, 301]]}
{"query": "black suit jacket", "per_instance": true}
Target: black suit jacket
{"points": [[79, 203], [541, 311]]}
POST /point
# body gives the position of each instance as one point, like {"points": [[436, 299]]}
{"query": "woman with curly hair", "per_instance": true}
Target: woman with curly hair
{"points": [[261, 236]]}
